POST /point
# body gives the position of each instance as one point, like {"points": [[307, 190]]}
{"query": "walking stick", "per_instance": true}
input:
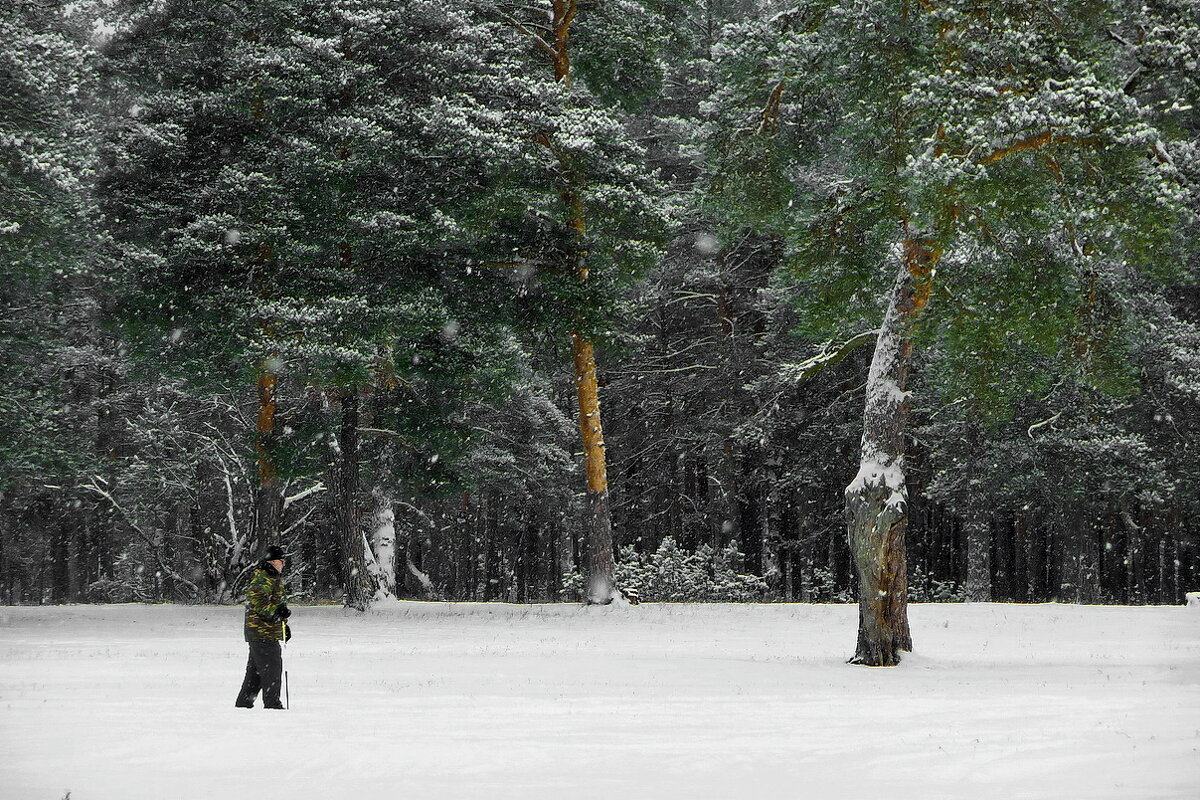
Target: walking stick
{"points": [[287, 697]]}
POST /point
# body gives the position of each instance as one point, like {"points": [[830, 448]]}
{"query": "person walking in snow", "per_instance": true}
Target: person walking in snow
{"points": [[266, 627]]}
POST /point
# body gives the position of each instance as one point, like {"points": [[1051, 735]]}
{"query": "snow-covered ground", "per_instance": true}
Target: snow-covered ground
{"points": [[422, 700]]}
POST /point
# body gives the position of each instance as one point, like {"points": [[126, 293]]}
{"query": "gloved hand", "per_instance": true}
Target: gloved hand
{"points": [[287, 633], [283, 612]]}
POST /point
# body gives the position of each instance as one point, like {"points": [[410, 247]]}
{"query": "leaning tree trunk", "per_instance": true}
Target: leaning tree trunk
{"points": [[343, 490], [269, 501], [877, 498]]}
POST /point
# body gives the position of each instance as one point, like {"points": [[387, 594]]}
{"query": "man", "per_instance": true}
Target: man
{"points": [[266, 627]]}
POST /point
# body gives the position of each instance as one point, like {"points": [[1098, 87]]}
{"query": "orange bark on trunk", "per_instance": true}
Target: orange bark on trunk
{"points": [[600, 567]]}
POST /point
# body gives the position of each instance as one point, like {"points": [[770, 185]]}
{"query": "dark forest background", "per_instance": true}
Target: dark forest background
{"points": [[309, 272]]}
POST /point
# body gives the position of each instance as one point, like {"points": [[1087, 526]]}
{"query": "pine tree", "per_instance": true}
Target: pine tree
{"points": [[606, 210], [49, 247], [912, 152], [323, 197], [54, 359]]}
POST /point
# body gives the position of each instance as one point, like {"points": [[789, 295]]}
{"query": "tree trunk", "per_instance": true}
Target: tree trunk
{"points": [[491, 587], [269, 501], [979, 557], [1135, 589], [382, 525], [1080, 559], [6, 568], [204, 543], [1092, 550], [66, 567], [749, 529], [1164, 593], [343, 490], [804, 555], [601, 586], [977, 530], [772, 534], [601, 566], [1177, 593], [877, 498]]}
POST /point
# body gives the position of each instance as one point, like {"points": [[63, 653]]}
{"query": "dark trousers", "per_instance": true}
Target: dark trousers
{"points": [[264, 670]]}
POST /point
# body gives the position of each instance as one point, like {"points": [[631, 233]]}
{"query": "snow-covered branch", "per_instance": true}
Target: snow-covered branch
{"points": [[295, 498], [1044, 422], [829, 353]]}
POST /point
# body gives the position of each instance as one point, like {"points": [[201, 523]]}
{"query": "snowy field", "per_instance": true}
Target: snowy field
{"points": [[422, 700]]}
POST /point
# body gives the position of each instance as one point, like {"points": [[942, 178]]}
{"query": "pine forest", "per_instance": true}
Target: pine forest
{"points": [[829, 301]]}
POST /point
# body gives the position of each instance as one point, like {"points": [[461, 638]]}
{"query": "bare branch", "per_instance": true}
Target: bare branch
{"points": [[155, 547], [541, 43], [299, 522], [1116, 37]]}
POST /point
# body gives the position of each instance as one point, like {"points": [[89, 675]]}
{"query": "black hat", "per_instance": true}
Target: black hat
{"points": [[275, 553]]}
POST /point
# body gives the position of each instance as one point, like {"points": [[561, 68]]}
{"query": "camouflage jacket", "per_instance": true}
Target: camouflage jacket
{"points": [[264, 595]]}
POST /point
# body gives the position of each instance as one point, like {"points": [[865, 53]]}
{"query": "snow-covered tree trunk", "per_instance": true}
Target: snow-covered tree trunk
{"points": [[381, 524], [877, 498], [420, 576]]}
